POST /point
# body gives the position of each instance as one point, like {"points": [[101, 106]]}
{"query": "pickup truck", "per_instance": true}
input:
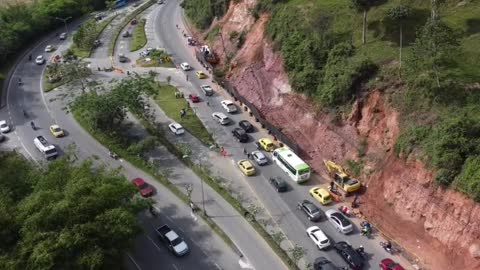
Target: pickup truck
{"points": [[47, 149], [174, 242]]}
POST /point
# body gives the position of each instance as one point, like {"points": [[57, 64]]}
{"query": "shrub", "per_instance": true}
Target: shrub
{"points": [[469, 179], [202, 12]]}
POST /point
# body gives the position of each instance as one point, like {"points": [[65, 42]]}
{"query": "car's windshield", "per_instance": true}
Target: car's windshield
{"points": [[143, 186], [303, 171], [176, 241], [51, 151], [57, 129], [3, 125], [342, 219]]}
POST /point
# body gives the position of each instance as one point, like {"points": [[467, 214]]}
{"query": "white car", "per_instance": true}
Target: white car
{"points": [[221, 118], [176, 128], [4, 127], [185, 66], [207, 90], [49, 48], [229, 106], [318, 237], [63, 36], [259, 157], [40, 60], [339, 221]]}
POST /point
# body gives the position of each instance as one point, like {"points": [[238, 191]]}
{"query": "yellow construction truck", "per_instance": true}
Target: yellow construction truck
{"points": [[340, 178]]}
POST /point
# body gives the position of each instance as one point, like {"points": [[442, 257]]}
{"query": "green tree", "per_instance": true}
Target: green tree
{"points": [[364, 6], [69, 217], [77, 71], [110, 4], [86, 35], [399, 14], [433, 51], [469, 179]]}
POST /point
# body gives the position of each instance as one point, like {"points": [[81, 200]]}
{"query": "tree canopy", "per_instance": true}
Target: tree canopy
{"points": [[64, 216]]}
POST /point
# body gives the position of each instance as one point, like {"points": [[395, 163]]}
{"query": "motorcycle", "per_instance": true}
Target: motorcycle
{"points": [[113, 155], [366, 228], [33, 125], [362, 252], [386, 247]]}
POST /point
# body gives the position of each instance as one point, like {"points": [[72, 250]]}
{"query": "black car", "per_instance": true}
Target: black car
{"points": [[240, 134], [323, 263], [311, 210], [246, 126], [2, 137], [278, 183], [349, 255]]}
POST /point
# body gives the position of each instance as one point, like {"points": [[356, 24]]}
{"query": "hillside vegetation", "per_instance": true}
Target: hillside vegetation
{"points": [[428, 48]]}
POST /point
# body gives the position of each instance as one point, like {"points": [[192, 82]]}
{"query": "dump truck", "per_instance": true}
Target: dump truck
{"points": [[341, 179], [174, 242]]}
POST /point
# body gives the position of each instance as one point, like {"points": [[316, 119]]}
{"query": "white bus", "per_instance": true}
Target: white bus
{"points": [[296, 168]]}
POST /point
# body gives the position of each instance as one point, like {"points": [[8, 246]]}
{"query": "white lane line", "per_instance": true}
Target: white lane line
{"points": [[174, 266], [134, 262], [218, 266], [153, 242], [171, 220]]}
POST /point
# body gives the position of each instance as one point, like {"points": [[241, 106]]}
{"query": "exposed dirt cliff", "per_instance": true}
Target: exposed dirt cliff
{"points": [[441, 227]]}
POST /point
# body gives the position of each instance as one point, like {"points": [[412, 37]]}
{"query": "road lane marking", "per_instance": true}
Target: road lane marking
{"points": [[218, 266], [174, 266], [153, 242], [134, 262]]}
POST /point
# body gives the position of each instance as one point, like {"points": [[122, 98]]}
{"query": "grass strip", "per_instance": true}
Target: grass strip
{"points": [[151, 170], [125, 22], [84, 53], [172, 105], [139, 38]]}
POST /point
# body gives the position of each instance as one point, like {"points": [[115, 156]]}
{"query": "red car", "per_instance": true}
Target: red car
{"points": [[389, 264], [145, 189], [194, 98]]}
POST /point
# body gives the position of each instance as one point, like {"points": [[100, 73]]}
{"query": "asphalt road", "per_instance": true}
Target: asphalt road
{"points": [[208, 250], [281, 206]]}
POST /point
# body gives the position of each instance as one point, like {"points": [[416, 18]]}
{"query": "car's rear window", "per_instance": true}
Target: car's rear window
{"points": [[343, 220]]}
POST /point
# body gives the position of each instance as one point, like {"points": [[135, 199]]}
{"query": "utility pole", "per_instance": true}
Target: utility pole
{"points": [[65, 22]]}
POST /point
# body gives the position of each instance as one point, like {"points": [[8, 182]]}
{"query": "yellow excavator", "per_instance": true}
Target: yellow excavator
{"points": [[341, 179]]}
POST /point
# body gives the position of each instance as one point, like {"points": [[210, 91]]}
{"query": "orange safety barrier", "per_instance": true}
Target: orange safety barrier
{"points": [[335, 197]]}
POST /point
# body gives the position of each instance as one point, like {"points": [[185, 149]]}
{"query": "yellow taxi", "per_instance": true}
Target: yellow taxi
{"points": [[56, 131], [246, 167], [201, 75], [266, 144], [321, 195]]}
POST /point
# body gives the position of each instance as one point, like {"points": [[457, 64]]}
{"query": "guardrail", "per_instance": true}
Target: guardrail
{"points": [[276, 133]]}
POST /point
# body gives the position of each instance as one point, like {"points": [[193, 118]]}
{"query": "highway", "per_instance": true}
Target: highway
{"points": [[282, 207]]}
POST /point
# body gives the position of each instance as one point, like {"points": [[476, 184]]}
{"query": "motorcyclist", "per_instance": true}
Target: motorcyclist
{"points": [[388, 245], [361, 249], [30, 57], [32, 124]]}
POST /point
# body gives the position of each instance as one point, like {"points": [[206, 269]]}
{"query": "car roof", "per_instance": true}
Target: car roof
{"points": [[227, 101], [3, 122], [138, 181], [176, 125], [266, 140], [54, 126], [258, 153], [320, 190]]}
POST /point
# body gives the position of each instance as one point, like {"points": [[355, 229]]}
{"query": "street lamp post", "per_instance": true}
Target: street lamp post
{"points": [[65, 22], [203, 198]]}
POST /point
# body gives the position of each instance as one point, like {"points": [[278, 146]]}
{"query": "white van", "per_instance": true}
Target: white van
{"points": [[43, 146], [221, 118]]}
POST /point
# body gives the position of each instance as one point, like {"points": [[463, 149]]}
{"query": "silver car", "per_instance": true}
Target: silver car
{"points": [[260, 158], [339, 221]]}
